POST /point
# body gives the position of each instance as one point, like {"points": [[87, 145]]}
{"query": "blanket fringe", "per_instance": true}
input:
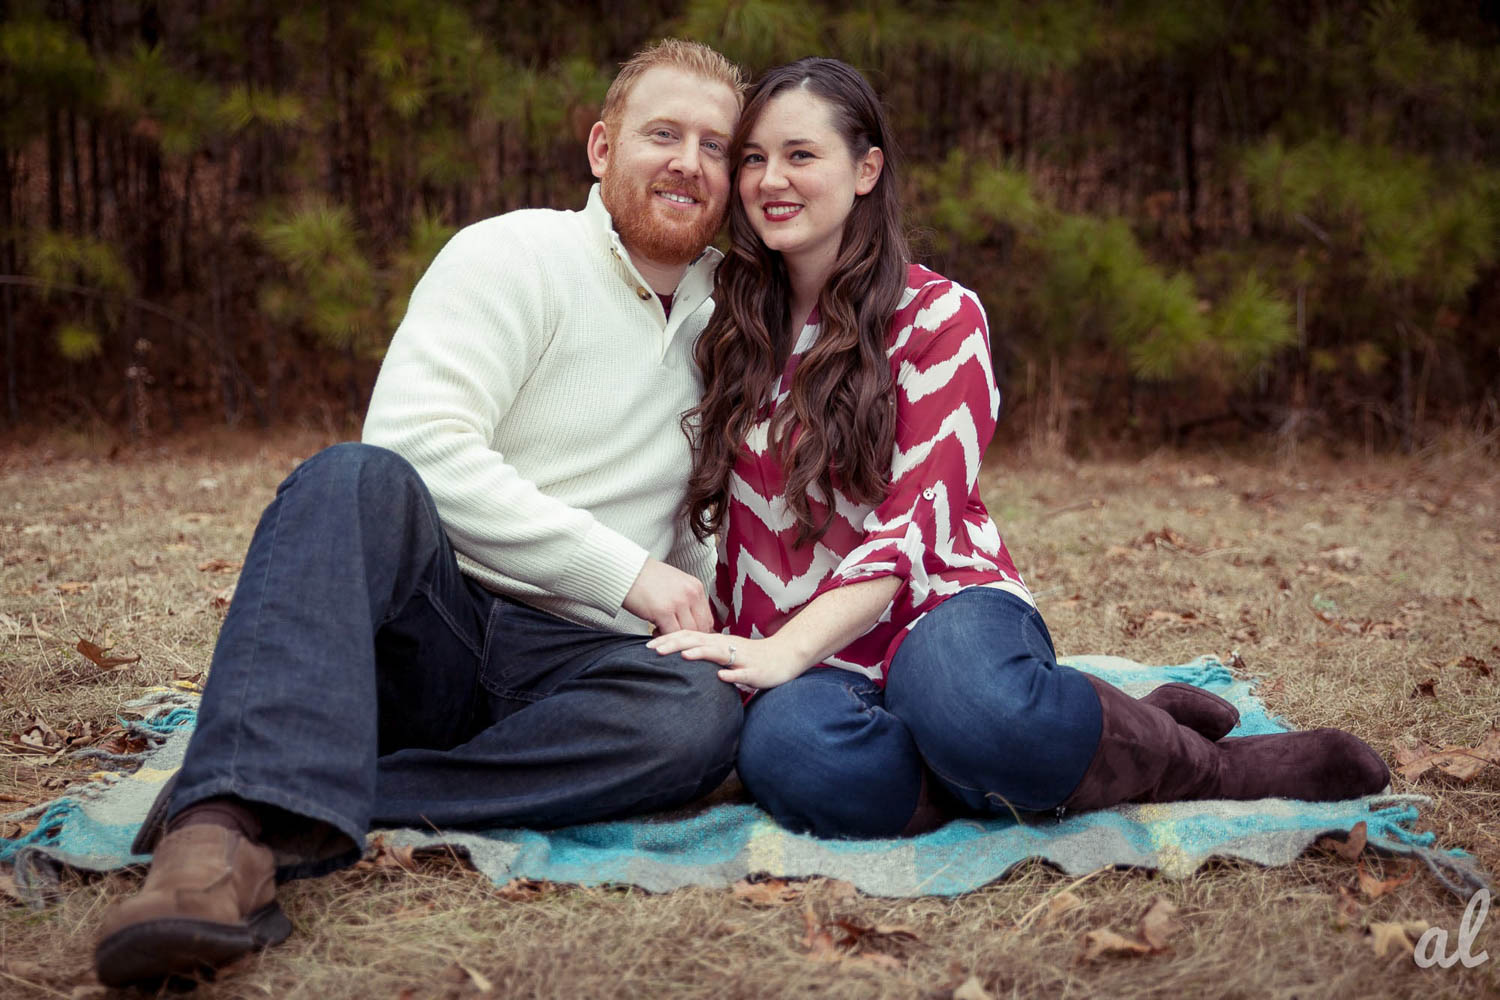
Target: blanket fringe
{"points": [[48, 829]]}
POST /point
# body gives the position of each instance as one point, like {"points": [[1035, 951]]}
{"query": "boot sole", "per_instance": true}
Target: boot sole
{"points": [[155, 951]]}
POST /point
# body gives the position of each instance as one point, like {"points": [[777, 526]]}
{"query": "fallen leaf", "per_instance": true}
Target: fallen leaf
{"points": [[1060, 906], [1459, 762], [382, 854], [1392, 937], [1349, 848], [836, 890], [1097, 944], [73, 587], [1375, 888], [124, 744], [97, 655], [1346, 558], [856, 933], [525, 890], [972, 989], [8, 887], [1158, 924], [768, 892], [1425, 689], [220, 566], [1166, 538], [221, 598], [815, 937], [1473, 663]]}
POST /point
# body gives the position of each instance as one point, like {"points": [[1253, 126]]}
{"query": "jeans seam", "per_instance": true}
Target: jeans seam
{"points": [[425, 590], [254, 671]]}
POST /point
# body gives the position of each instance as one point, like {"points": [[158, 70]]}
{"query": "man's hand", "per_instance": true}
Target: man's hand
{"points": [[757, 663], [669, 599]]}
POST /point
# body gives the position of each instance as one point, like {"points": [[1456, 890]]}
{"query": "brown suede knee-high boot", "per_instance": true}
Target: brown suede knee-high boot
{"points": [[1201, 711], [1145, 755]]}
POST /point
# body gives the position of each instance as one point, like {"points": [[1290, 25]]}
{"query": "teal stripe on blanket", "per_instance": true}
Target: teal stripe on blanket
{"points": [[92, 827]]}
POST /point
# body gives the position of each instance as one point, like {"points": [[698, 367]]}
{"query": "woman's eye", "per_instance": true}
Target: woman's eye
{"points": [[753, 158]]}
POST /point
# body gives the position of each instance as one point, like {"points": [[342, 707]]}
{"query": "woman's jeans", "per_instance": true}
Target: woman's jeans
{"points": [[361, 679], [974, 696]]}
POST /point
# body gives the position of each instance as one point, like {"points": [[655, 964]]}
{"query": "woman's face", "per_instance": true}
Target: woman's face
{"points": [[798, 181]]}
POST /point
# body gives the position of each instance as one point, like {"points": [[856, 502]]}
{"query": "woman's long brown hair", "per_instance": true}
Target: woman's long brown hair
{"points": [[838, 424]]}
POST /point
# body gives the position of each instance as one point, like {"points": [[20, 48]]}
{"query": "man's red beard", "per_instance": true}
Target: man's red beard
{"points": [[643, 229]]}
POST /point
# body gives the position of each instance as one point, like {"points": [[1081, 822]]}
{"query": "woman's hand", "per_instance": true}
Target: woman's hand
{"points": [[757, 663]]}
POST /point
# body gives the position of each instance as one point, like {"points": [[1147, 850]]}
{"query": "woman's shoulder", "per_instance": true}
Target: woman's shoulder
{"points": [[931, 301]]}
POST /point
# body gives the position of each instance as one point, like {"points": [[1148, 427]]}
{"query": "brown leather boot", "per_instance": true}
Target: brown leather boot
{"points": [[1202, 711], [209, 898], [1145, 755]]}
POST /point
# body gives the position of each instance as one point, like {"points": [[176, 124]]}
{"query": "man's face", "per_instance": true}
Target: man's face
{"points": [[664, 166]]}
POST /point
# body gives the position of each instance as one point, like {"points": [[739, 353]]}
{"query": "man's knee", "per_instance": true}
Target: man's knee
{"points": [[711, 714], [354, 462]]}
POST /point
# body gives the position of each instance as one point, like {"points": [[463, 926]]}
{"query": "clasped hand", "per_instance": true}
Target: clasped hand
{"points": [[757, 663]]}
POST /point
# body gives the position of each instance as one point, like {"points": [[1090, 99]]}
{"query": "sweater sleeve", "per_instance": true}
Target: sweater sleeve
{"points": [[946, 407], [476, 325]]}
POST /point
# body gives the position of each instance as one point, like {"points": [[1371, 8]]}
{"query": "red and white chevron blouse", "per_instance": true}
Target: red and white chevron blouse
{"points": [[932, 530]]}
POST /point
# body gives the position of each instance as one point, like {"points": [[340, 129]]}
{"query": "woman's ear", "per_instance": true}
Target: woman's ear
{"points": [[868, 171]]}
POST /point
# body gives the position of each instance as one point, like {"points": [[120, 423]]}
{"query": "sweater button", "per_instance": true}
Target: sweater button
{"points": [[643, 294], [929, 494]]}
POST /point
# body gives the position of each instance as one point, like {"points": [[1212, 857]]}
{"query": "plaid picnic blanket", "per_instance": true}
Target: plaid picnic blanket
{"points": [[91, 827]]}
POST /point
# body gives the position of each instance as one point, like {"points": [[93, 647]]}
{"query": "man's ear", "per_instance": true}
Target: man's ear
{"points": [[869, 171], [598, 148]]}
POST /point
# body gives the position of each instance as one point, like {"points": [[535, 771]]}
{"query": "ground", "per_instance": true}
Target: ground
{"points": [[1361, 593]]}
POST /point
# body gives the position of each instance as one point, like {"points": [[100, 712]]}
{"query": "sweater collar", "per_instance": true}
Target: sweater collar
{"points": [[692, 291]]}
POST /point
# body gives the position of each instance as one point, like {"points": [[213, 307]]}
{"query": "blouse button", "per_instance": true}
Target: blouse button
{"points": [[929, 494]]}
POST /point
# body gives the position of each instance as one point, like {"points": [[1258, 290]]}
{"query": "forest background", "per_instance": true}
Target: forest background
{"points": [[1233, 218]]}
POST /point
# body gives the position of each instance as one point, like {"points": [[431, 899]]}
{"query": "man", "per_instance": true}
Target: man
{"points": [[449, 629]]}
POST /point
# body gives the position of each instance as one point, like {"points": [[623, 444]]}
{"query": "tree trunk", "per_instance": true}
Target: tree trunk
{"points": [[54, 172]]}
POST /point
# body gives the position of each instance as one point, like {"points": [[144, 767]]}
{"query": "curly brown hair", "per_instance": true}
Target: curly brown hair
{"points": [[839, 422]]}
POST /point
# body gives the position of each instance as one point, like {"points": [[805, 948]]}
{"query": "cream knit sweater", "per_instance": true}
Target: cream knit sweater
{"points": [[536, 385]]}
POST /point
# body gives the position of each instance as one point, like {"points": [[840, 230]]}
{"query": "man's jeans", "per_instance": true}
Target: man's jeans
{"points": [[975, 696], [361, 679]]}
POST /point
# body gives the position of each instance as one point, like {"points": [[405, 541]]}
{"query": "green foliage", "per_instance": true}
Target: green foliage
{"points": [[333, 289], [63, 258], [1082, 281], [428, 235], [1251, 325], [244, 107], [39, 60], [1400, 221], [45, 54], [77, 342], [180, 111], [758, 34]]}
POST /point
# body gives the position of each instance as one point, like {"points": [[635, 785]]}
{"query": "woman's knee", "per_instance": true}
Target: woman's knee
{"points": [[828, 763]]}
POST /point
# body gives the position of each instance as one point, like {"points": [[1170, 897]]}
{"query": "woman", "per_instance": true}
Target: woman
{"points": [[891, 641]]}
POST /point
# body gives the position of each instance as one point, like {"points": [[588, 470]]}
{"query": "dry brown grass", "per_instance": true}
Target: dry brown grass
{"points": [[1244, 557]]}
